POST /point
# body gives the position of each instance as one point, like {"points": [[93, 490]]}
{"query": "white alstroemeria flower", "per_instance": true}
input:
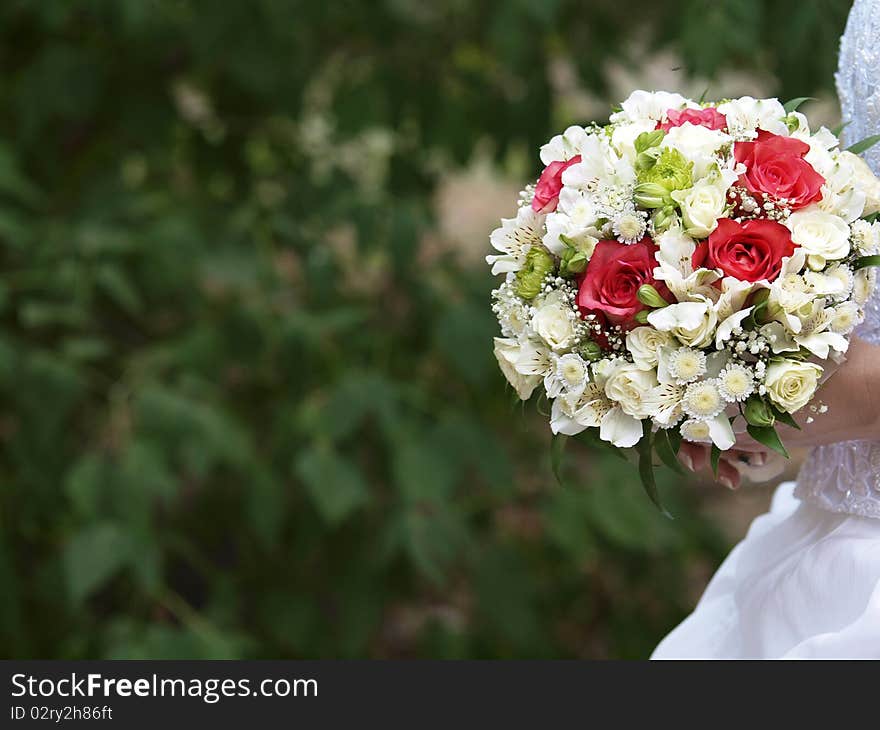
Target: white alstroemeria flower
{"points": [[507, 352], [780, 337], [746, 115], [801, 126], [698, 144], [726, 328], [644, 345], [533, 359], [826, 285], [824, 237], [691, 323], [789, 292], [565, 146], [514, 239], [649, 105], [734, 294], [675, 267], [792, 383], [568, 376], [844, 275], [599, 164], [815, 334], [703, 204], [664, 402]]}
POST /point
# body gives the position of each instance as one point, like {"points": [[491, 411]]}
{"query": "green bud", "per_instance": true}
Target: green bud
{"points": [[663, 218], [652, 195], [530, 277], [649, 296], [758, 412], [591, 351], [642, 316], [671, 171], [573, 262], [647, 140]]}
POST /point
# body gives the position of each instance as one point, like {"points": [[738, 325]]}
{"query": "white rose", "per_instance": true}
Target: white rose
{"points": [[507, 352], [631, 389], [702, 206], [554, 322], [822, 235], [691, 323], [644, 345], [791, 384], [866, 181]]}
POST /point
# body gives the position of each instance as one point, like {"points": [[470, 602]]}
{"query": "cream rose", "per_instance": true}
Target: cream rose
{"points": [[866, 181], [644, 345], [554, 322], [630, 388], [701, 207], [791, 384], [822, 235]]}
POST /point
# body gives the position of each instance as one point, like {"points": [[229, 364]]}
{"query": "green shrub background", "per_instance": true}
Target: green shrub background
{"points": [[247, 408]]}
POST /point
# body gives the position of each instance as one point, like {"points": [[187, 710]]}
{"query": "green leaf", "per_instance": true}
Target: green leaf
{"points": [[864, 261], [646, 466], [666, 452], [786, 418], [864, 145], [557, 451], [93, 556], [838, 130], [714, 458], [767, 436], [792, 105], [334, 485]]}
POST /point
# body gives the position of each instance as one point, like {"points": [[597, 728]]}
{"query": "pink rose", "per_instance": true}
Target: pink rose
{"points": [[709, 117], [549, 184]]}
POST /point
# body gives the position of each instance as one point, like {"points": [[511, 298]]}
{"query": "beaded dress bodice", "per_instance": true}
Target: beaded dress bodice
{"points": [[845, 477]]}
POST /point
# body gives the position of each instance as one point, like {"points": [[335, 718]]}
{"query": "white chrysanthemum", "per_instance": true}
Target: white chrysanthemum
{"points": [[702, 400], [863, 284], [629, 226], [686, 364], [845, 318], [843, 274], [695, 431], [736, 383], [569, 376], [864, 237]]}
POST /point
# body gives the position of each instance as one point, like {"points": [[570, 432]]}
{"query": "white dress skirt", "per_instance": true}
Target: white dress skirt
{"points": [[804, 583]]}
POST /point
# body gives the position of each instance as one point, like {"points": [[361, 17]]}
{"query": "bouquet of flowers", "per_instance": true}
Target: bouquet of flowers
{"points": [[690, 270]]}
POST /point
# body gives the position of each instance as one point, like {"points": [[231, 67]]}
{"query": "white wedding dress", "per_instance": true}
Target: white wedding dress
{"points": [[805, 582]]}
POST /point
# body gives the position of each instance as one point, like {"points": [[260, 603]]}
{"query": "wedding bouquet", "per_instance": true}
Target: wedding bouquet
{"points": [[690, 270]]}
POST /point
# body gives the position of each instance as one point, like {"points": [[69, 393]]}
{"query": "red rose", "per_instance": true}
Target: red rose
{"points": [[776, 166], [610, 285], [749, 251], [709, 117], [549, 185]]}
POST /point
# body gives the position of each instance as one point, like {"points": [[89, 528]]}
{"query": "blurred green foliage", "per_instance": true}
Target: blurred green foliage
{"points": [[244, 410]]}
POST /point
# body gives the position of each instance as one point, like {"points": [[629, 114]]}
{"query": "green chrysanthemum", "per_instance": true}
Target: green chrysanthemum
{"points": [[671, 171], [531, 276]]}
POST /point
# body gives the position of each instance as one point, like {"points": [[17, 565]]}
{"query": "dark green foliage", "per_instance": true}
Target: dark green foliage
{"points": [[242, 412]]}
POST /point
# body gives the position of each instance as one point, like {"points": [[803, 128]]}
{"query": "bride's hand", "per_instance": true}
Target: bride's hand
{"points": [[754, 463]]}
